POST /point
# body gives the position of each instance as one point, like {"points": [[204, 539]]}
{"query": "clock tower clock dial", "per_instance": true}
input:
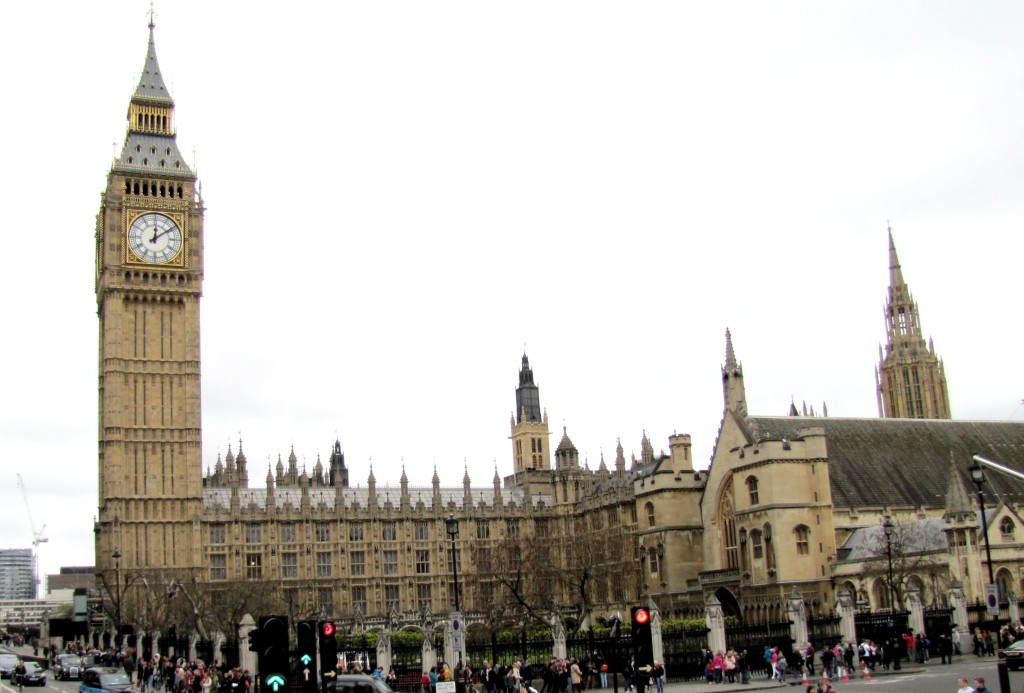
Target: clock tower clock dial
{"points": [[155, 238], [149, 277]]}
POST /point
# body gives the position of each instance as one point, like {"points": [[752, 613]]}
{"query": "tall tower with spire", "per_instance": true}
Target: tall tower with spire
{"points": [[910, 380], [529, 423], [149, 276], [733, 390]]}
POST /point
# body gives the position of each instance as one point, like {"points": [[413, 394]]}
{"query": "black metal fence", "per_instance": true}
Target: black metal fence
{"points": [[754, 639], [879, 626], [683, 656], [824, 631]]}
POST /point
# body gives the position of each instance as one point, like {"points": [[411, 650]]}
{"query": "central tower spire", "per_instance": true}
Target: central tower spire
{"points": [[910, 380]]}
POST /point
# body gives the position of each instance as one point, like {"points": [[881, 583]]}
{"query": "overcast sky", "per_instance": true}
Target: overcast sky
{"points": [[401, 195]]}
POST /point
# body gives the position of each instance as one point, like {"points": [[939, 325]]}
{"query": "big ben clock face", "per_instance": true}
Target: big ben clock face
{"points": [[154, 238]]}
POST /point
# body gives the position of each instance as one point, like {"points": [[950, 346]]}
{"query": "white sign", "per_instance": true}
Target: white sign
{"points": [[992, 600], [445, 687]]}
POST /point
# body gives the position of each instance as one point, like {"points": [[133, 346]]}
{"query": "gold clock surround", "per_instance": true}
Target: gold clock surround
{"points": [[179, 261]]}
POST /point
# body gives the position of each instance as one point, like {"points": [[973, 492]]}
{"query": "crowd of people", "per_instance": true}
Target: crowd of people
{"points": [[156, 674], [568, 675]]}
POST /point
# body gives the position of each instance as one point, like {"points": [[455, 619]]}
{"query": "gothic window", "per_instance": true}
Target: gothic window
{"points": [[391, 563], [541, 529], [881, 595], [289, 565], [422, 562], [1006, 529], [652, 558], [752, 488], [458, 561], [357, 563], [917, 393], [323, 564], [253, 566], [392, 595], [483, 529], [218, 566], [727, 517], [1004, 582], [907, 394], [757, 544], [252, 534], [325, 597], [423, 601], [649, 510], [388, 531], [217, 534], [323, 532], [769, 548], [422, 531], [512, 529], [803, 535], [632, 514], [359, 599], [288, 534], [355, 531]]}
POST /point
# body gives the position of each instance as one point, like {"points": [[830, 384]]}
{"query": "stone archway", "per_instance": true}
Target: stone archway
{"points": [[730, 605]]}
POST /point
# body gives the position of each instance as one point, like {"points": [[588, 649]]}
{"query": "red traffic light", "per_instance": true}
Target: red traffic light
{"points": [[641, 616], [327, 630]]}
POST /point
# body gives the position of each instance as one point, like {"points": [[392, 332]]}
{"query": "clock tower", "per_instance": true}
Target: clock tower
{"points": [[149, 275]]}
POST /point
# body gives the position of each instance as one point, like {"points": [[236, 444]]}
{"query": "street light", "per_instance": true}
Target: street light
{"points": [[978, 477], [451, 525], [887, 527], [117, 607]]}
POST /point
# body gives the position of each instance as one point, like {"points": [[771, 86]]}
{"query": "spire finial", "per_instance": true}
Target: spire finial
{"points": [[152, 16], [730, 353]]}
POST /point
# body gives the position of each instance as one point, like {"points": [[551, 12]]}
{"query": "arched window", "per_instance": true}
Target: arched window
{"points": [[652, 558], [727, 517], [1006, 528], [752, 488], [649, 509], [803, 540], [880, 593], [1004, 581], [757, 544]]}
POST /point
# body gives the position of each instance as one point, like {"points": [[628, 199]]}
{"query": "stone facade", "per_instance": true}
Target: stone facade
{"points": [[788, 508]]}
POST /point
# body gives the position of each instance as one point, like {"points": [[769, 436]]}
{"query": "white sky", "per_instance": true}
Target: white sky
{"points": [[402, 194]]}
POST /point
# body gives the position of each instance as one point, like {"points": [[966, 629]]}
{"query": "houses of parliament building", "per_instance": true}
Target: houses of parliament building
{"points": [[790, 503]]}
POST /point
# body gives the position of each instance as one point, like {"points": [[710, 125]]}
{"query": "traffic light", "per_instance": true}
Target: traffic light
{"points": [[273, 653], [328, 648], [643, 647], [306, 653]]}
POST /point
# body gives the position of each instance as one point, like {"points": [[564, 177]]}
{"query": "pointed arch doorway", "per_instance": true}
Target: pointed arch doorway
{"points": [[730, 606]]}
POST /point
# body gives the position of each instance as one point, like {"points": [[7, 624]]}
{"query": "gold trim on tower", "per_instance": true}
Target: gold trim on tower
{"points": [[168, 246]]}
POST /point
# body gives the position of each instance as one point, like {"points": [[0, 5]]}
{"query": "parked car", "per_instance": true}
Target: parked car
{"points": [[105, 680], [7, 664], [69, 667], [35, 674], [1014, 655]]}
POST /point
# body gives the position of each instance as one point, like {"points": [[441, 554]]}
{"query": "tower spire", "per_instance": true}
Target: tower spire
{"points": [[732, 379], [910, 381]]}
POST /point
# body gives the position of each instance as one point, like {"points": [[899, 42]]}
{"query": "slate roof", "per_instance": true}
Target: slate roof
{"points": [[905, 462], [926, 537], [137, 156]]}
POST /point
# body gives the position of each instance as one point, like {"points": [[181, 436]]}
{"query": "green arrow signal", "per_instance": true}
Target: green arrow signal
{"points": [[305, 659], [275, 682]]}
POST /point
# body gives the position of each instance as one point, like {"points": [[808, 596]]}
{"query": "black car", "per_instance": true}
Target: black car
{"points": [[35, 674], [1014, 655], [69, 667], [105, 680]]}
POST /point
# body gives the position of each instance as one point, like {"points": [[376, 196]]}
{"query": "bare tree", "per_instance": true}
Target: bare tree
{"points": [[917, 547]]}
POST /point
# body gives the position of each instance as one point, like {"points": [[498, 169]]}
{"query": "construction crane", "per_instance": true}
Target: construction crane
{"points": [[37, 537]]}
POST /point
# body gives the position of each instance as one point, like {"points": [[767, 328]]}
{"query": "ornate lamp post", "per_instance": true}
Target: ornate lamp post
{"points": [[887, 527], [978, 477], [451, 526], [117, 605]]}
